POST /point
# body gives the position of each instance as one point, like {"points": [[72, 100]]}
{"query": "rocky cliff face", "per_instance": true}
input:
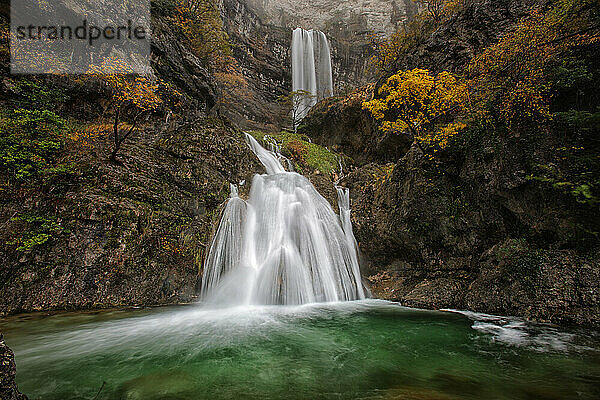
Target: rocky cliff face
{"points": [[261, 32], [381, 16], [471, 229], [263, 54], [128, 233], [452, 45], [479, 237]]}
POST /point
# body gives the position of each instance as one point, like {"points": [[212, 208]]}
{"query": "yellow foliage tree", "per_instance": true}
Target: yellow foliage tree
{"points": [[420, 104], [135, 93], [512, 78]]}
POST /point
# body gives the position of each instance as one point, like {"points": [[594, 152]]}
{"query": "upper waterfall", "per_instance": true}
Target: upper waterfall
{"points": [[285, 245], [311, 68]]}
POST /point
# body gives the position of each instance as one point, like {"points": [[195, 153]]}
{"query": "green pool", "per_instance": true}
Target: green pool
{"points": [[358, 350]]}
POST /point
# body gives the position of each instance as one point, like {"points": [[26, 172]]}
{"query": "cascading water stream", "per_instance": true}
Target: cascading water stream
{"points": [[285, 245], [311, 69]]}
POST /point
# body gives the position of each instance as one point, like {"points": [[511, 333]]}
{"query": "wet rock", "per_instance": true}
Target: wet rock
{"points": [[178, 65], [342, 125], [433, 239], [8, 370], [262, 51]]}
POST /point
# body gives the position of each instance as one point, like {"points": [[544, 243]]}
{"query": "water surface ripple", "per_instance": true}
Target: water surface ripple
{"points": [[355, 350]]}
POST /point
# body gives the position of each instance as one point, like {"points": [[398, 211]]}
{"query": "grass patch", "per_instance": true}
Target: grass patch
{"points": [[301, 151]]}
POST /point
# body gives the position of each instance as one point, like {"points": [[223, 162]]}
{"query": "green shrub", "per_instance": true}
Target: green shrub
{"points": [[30, 141], [37, 232], [37, 96]]}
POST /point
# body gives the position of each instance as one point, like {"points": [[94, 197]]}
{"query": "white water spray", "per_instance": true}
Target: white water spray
{"points": [[285, 245], [311, 68]]}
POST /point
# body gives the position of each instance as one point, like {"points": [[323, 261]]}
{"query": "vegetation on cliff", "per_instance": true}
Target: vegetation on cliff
{"points": [[421, 105], [538, 78], [201, 26], [110, 183], [519, 162]]}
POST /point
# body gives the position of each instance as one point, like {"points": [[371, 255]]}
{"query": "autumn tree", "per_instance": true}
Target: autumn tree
{"points": [[200, 22], [134, 95], [233, 84], [384, 52], [513, 79], [421, 105]]}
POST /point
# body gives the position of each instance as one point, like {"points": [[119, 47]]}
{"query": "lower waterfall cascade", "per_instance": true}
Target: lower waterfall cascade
{"points": [[284, 246]]}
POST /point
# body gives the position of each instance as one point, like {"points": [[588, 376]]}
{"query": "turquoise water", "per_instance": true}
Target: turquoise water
{"points": [[358, 350]]}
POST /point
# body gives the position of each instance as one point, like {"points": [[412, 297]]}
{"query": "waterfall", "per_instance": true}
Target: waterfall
{"points": [[311, 69], [285, 245], [322, 65]]}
